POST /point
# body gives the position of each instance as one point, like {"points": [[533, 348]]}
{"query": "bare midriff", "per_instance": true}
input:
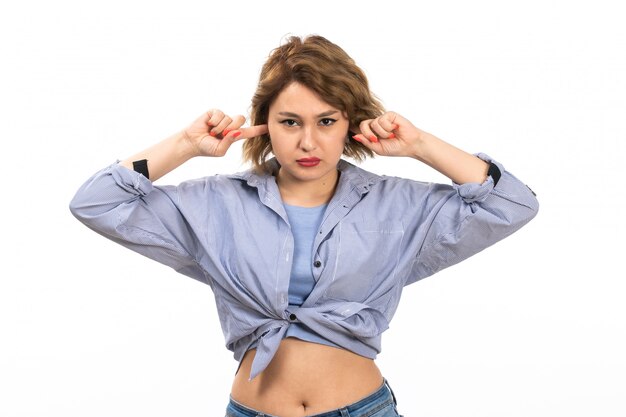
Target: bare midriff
{"points": [[306, 378]]}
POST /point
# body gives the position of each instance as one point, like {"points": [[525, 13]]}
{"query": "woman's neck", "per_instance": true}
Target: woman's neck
{"points": [[307, 193]]}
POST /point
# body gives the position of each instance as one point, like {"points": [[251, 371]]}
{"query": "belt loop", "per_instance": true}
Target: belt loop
{"points": [[391, 391], [344, 412]]}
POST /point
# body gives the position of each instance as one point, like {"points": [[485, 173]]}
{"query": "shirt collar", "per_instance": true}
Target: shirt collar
{"points": [[359, 178]]}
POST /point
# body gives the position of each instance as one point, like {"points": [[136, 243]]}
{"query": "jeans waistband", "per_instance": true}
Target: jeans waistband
{"points": [[381, 398]]}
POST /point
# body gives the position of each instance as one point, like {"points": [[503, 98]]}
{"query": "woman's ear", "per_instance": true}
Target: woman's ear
{"points": [[354, 130], [349, 135]]}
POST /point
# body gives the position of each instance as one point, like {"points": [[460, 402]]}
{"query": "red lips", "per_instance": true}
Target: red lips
{"points": [[308, 162]]}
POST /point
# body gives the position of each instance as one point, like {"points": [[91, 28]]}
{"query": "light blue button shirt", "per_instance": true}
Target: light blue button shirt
{"points": [[378, 234]]}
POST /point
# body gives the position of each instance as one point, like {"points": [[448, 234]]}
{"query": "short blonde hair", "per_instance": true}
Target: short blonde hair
{"points": [[325, 68]]}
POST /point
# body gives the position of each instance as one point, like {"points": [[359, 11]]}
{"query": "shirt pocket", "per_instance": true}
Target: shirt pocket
{"points": [[367, 258]]}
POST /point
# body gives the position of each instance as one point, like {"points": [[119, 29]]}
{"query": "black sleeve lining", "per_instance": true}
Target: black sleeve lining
{"points": [[141, 167], [494, 172]]}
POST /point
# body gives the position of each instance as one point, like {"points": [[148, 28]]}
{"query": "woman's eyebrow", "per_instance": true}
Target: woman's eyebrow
{"points": [[295, 115]]}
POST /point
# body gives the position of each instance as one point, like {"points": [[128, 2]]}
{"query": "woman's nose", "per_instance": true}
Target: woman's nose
{"points": [[308, 140]]}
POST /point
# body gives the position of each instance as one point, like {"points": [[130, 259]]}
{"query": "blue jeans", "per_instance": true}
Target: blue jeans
{"points": [[381, 403]]}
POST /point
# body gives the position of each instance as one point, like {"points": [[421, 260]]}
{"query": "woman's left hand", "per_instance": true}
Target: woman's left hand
{"points": [[390, 135]]}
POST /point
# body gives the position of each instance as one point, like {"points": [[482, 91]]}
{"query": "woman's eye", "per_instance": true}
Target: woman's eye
{"points": [[289, 122], [327, 122]]}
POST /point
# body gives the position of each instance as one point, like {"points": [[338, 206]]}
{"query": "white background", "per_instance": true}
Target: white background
{"points": [[534, 326]]}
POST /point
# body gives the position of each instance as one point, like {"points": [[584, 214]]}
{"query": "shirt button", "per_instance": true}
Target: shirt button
{"points": [[292, 317], [317, 264]]}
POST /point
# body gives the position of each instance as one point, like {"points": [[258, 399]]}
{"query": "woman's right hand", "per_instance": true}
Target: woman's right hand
{"points": [[212, 133]]}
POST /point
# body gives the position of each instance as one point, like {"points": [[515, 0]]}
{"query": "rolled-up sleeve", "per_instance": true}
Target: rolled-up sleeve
{"points": [[127, 208], [461, 220]]}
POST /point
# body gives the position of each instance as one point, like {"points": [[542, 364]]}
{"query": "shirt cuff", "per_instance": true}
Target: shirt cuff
{"points": [[130, 180], [474, 192]]}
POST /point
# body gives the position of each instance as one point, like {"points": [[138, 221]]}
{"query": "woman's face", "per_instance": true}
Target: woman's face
{"points": [[308, 135]]}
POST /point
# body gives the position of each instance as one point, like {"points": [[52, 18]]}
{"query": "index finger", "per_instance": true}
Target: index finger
{"points": [[253, 131]]}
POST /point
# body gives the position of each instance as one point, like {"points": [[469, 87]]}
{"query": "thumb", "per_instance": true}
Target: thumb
{"points": [[363, 140]]}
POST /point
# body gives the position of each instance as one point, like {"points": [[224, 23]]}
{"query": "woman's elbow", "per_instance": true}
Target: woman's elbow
{"points": [[78, 207]]}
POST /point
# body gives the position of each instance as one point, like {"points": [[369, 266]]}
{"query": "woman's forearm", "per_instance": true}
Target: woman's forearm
{"points": [[456, 164], [164, 156]]}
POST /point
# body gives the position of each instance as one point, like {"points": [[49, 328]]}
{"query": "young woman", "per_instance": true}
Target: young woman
{"points": [[307, 254]]}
